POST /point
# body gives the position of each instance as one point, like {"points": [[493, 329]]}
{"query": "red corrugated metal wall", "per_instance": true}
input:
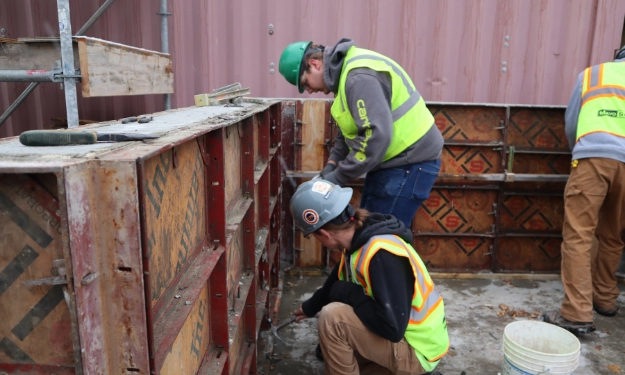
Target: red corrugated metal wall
{"points": [[455, 50]]}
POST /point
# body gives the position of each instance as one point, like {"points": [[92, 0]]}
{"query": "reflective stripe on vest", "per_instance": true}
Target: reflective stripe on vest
{"points": [[411, 118], [603, 100], [427, 303]]}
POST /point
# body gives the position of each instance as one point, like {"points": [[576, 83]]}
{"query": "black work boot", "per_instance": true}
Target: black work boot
{"points": [[319, 353], [576, 328], [605, 312]]}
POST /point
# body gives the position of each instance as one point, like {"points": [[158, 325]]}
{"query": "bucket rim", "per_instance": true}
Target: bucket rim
{"points": [[551, 326], [556, 360]]}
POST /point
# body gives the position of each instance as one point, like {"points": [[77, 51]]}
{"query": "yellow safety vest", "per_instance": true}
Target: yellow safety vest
{"points": [[603, 100], [427, 328], [411, 118]]}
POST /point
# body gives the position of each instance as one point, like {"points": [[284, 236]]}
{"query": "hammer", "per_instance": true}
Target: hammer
{"points": [[275, 329]]}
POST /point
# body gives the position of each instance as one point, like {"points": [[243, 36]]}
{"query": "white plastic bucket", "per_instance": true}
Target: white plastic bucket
{"points": [[532, 348]]}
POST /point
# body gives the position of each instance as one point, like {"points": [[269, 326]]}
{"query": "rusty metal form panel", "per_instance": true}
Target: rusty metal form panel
{"points": [[287, 119], [37, 325], [164, 246], [103, 213]]}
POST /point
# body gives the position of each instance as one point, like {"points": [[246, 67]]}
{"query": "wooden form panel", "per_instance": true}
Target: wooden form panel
{"points": [[459, 160], [165, 242], [175, 213], [469, 123], [191, 344], [528, 254], [537, 128], [36, 325], [455, 254], [232, 163], [112, 69], [460, 211], [494, 156], [523, 213]]}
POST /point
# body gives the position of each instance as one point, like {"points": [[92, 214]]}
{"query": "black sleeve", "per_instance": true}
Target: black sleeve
{"points": [[392, 283], [322, 296]]}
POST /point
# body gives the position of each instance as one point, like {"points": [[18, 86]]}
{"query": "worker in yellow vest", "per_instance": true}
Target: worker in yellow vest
{"points": [[379, 308], [594, 197], [385, 129]]}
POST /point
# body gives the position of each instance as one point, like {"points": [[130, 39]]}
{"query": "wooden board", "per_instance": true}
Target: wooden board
{"points": [[457, 211], [232, 166], [532, 213], [192, 341], [35, 322], [174, 197], [537, 128], [524, 254], [470, 160], [112, 69], [313, 118], [33, 56], [469, 123], [456, 254], [313, 135]]}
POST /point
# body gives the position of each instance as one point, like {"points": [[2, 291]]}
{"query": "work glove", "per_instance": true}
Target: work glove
{"points": [[327, 170], [330, 177]]}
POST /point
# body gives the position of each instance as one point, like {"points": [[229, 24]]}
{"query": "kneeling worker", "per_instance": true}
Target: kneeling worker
{"points": [[380, 311]]}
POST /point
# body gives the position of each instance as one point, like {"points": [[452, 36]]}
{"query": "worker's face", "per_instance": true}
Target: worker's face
{"points": [[326, 238], [312, 81]]}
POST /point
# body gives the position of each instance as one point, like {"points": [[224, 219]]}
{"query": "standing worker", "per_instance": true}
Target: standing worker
{"points": [[380, 311], [385, 129], [594, 197]]}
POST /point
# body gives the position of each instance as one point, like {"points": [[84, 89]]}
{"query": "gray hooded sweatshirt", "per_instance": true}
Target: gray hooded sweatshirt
{"points": [[595, 145], [374, 88]]}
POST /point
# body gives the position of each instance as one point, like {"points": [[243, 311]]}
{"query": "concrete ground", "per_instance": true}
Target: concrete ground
{"points": [[475, 320]]}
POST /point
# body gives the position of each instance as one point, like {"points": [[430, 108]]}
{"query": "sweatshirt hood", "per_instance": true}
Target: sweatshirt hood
{"points": [[379, 224], [333, 58]]}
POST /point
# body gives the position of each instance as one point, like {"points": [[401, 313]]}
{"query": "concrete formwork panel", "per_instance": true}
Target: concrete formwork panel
{"points": [[154, 257]]}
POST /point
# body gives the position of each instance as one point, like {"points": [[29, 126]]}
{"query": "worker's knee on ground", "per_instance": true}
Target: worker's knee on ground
{"points": [[333, 313]]}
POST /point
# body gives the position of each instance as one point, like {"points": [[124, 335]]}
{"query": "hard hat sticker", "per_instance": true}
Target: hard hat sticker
{"points": [[322, 187], [311, 217]]}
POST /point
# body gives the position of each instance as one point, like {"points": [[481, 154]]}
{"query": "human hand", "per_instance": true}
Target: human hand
{"points": [[330, 167], [299, 314]]}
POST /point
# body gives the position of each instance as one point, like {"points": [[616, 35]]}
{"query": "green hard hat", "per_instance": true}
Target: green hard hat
{"points": [[291, 62], [316, 202]]}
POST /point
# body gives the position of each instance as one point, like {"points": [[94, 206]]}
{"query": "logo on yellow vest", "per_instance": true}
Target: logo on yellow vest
{"points": [[362, 112], [610, 113]]}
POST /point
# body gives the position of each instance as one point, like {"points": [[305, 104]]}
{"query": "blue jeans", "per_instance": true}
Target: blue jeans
{"points": [[400, 191]]}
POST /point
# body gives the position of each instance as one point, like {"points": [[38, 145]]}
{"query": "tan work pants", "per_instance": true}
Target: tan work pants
{"points": [[351, 348], [594, 199]]}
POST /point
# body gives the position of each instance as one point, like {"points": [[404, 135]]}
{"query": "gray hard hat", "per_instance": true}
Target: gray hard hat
{"points": [[316, 202], [620, 54]]}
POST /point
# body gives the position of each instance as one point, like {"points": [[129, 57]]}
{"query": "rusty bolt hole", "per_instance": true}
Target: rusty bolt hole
{"points": [[125, 269], [133, 370]]}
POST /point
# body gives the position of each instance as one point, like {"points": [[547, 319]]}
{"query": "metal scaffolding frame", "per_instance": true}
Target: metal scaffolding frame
{"points": [[67, 74]]}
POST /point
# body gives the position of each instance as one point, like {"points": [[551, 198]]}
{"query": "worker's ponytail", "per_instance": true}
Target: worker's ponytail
{"points": [[351, 217]]}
